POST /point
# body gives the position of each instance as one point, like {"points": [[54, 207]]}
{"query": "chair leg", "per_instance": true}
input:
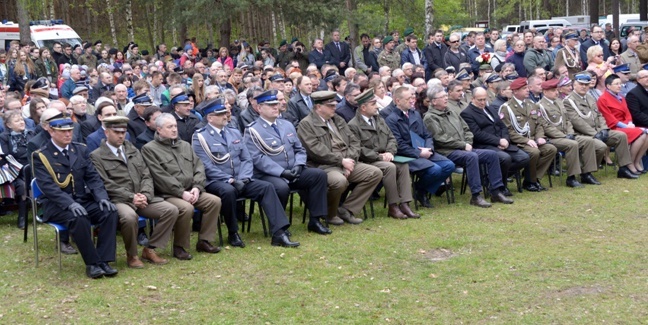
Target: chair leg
{"points": [[518, 181], [24, 208], [250, 214], [262, 217], [34, 226], [220, 231], [364, 210], [290, 198], [464, 183], [58, 244], [373, 215]]}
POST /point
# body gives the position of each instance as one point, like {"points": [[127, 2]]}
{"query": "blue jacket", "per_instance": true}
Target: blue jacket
{"points": [[473, 53], [293, 154], [93, 141], [407, 56], [401, 126], [67, 88], [239, 164], [518, 60]]}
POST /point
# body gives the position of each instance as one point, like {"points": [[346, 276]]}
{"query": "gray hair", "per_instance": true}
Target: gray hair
{"points": [[433, 92], [212, 89], [229, 94], [159, 121]]}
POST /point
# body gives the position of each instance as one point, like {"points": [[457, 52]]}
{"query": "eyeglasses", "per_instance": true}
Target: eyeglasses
{"points": [[599, 56], [442, 96], [454, 42]]}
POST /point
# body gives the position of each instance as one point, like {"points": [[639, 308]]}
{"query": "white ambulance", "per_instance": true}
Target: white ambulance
{"points": [[43, 33]]}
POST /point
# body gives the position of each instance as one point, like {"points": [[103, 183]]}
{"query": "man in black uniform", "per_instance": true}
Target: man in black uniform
{"points": [[187, 121], [74, 196]]}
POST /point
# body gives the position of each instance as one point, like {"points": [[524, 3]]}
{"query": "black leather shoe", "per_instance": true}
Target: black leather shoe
{"points": [[506, 192], [540, 187], [142, 240], [181, 254], [205, 247], [479, 201], [501, 198], [108, 270], [68, 249], [94, 272], [235, 240], [531, 187], [283, 240], [317, 227], [572, 182], [421, 197], [588, 178], [442, 189], [624, 172]]}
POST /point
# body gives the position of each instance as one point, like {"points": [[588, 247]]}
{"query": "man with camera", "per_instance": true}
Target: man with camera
{"points": [[298, 57]]}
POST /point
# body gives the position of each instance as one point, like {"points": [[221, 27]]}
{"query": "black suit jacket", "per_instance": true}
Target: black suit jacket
{"points": [[587, 44], [136, 125], [435, 58], [87, 186], [637, 101], [486, 133], [90, 125], [317, 58], [345, 110], [334, 56], [297, 110]]}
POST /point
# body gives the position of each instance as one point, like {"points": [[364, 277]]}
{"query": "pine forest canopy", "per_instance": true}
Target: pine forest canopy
{"points": [[218, 22]]}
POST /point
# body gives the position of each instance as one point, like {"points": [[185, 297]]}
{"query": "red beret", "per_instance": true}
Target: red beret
{"points": [[550, 84], [518, 83]]}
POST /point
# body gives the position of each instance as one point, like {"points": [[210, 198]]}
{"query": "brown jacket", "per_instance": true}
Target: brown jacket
{"points": [[373, 141], [316, 138]]}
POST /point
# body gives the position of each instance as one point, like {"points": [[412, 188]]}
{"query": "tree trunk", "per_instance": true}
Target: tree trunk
{"points": [[52, 13], [111, 20], [149, 32], [210, 31], [129, 20], [283, 23], [23, 21], [429, 17], [225, 32], [155, 23], [274, 29], [353, 26]]}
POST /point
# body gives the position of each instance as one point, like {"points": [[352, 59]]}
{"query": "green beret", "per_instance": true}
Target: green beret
{"points": [[283, 42], [365, 97], [322, 97], [387, 39], [408, 31], [294, 39]]}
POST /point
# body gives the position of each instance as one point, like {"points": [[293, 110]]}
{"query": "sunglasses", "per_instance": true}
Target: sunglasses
{"points": [[452, 42]]}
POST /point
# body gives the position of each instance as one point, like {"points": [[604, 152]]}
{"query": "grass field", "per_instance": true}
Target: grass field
{"points": [[565, 256]]}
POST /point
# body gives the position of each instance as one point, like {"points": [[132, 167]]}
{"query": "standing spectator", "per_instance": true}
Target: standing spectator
{"points": [[596, 39], [66, 56], [478, 49], [517, 58], [365, 59], [609, 33], [389, 57], [630, 55], [455, 55], [568, 56], [499, 56], [87, 58], [23, 71], [412, 54], [45, 66], [337, 53], [435, 53], [224, 57], [537, 56]]}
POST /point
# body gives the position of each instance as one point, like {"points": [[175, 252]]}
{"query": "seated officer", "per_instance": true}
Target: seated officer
{"points": [[587, 121], [75, 197], [454, 140], [280, 159], [104, 110], [179, 177], [378, 149], [185, 120], [331, 146], [130, 186], [559, 131], [431, 167], [521, 118], [228, 167]]}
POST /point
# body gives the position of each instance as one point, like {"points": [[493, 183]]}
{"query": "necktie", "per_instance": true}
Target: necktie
{"points": [[65, 153], [328, 123], [338, 46], [371, 122], [309, 103], [274, 126], [489, 116], [406, 114], [119, 154], [222, 133]]}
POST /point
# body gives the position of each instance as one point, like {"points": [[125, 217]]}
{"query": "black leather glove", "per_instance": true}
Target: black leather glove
{"points": [[296, 171], [287, 174], [602, 135], [105, 204], [78, 210], [570, 137], [238, 185]]}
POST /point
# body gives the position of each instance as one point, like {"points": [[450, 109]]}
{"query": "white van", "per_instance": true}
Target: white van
{"points": [[43, 33], [543, 25]]}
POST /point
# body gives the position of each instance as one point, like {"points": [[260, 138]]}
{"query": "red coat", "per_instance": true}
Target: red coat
{"points": [[615, 111]]}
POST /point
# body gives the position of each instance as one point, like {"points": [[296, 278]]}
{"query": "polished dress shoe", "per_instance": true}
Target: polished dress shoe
{"points": [[531, 187], [68, 249], [336, 221], [235, 240], [501, 198], [624, 172], [422, 198], [442, 189], [180, 253], [94, 271], [405, 208], [540, 187], [395, 212], [108, 270], [142, 240], [507, 192], [572, 182], [479, 201], [283, 240], [205, 247], [149, 255], [314, 225], [588, 178], [134, 262], [345, 215]]}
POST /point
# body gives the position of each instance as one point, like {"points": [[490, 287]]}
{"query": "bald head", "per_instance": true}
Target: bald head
{"points": [[642, 78], [479, 97], [58, 105], [47, 114]]}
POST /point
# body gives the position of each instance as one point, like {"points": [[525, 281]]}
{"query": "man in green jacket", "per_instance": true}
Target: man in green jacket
{"points": [[179, 177]]}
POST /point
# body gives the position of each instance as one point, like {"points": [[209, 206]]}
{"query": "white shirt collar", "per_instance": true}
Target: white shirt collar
{"points": [[269, 123], [114, 149], [59, 148]]}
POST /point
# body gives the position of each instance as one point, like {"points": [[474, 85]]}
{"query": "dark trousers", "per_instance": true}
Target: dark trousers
{"points": [[430, 179], [80, 228], [471, 161], [257, 190], [312, 186], [511, 161]]}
